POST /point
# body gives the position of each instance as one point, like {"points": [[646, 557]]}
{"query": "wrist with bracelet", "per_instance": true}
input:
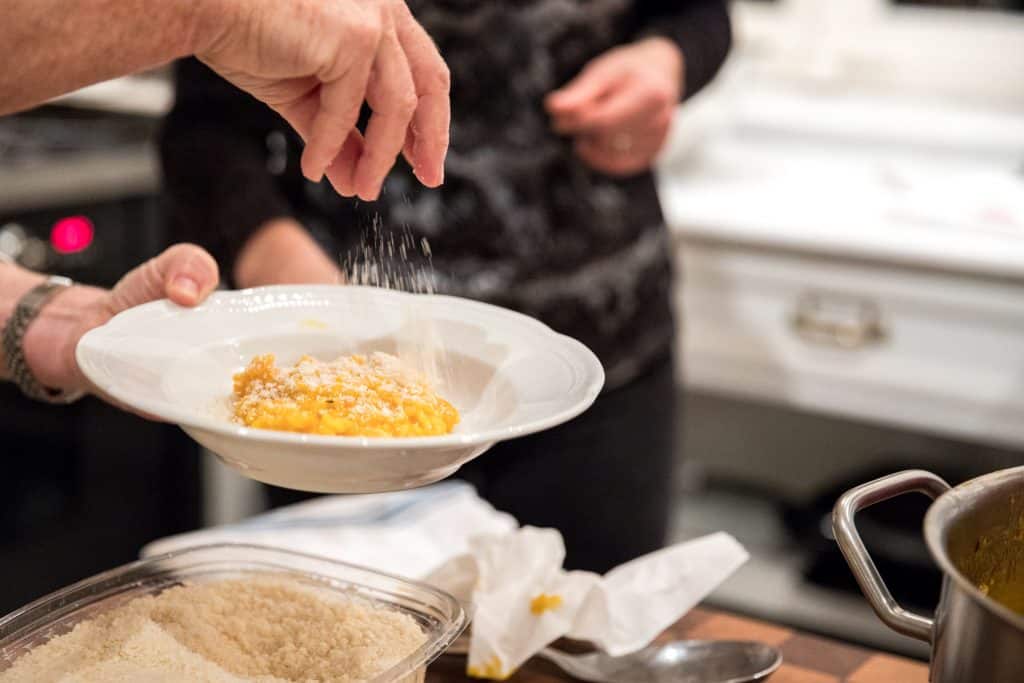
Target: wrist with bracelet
{"points": [[13, 342]]}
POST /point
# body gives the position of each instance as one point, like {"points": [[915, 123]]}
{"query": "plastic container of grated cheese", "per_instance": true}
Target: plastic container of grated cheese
{"points": [[439, 615]]}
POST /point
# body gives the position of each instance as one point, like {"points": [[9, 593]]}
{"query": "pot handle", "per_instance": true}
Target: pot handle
{"points": [[845, 529]]}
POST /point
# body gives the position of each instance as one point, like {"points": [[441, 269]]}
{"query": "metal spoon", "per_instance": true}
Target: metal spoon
{"points": [[683, 661]]}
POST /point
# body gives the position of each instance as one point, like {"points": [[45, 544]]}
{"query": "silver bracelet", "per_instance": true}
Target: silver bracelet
{"points": [[13, 342]]}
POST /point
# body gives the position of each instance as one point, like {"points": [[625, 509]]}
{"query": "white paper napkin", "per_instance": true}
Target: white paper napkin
{"points": [[408, 533], [522, 599]]}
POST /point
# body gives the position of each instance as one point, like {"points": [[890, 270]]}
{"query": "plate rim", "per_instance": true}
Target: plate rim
{"points": [[570, 348]]}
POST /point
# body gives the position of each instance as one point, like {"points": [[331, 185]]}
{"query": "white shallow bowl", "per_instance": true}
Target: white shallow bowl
{"points": [[509, 375]]}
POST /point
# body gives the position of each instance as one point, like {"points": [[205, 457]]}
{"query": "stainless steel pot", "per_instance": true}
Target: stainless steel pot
{"points": [[975, 533]]}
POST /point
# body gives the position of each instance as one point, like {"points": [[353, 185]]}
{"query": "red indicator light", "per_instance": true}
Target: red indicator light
{"points": [[72, 234]]}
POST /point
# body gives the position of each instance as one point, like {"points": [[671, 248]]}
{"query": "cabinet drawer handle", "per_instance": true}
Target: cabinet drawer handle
{"points": [[838, 322]]}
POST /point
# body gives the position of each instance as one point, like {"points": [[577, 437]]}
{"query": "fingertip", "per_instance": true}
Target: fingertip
{"points": [[342, 170], [429, 176], [575, 93], [371, 191], [429, 163], [206, 273], [183, 291], [554, 100], [432, 181], [340, 178], [312, 169], [562, 125], [343, 189], [438, 178], [206, 289], [316, 159], [425, 180], [564, 104]]}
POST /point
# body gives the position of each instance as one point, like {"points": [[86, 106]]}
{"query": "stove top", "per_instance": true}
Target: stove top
{"points": [[56, 134]]}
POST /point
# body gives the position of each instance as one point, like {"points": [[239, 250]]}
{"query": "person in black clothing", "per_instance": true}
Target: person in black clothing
{"points": [[548, 207]]}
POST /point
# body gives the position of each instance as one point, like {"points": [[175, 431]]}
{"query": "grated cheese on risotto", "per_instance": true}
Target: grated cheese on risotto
{"points": [[358, 395], [268, 630]]}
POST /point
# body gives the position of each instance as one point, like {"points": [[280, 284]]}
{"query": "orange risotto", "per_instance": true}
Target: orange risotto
{"points": [[356, 395]]}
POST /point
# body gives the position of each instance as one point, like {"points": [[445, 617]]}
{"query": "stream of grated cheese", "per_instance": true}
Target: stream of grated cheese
{"points": [[358, 395]]}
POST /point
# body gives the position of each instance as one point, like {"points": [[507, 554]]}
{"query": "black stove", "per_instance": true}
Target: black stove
{"points": [[78, 192], [85, 486]]}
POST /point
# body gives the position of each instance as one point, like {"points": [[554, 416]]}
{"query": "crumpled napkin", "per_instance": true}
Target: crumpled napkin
{"points": [[512, 578], [523, 600], [409, 533]]}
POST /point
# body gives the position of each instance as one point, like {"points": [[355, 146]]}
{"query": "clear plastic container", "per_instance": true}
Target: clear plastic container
{"points": [[439, 614]]}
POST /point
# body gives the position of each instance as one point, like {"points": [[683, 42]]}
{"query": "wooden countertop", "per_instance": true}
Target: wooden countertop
{"points": [[806, 658]]}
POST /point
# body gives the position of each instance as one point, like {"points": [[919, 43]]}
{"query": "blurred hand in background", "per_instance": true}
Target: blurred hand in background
{"points": [[282, 252], [619, 109]]}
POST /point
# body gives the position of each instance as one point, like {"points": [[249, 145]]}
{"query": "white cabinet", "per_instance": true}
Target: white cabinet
{"points": [[855, 255], [933, 351], [944, 49]]}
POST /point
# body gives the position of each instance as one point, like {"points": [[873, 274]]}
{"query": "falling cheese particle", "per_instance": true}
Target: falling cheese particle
{"points": [[545, 603]]}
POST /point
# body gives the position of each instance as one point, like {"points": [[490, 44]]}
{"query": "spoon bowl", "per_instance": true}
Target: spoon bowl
{"points": [[681, 661], [684, 661]]}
